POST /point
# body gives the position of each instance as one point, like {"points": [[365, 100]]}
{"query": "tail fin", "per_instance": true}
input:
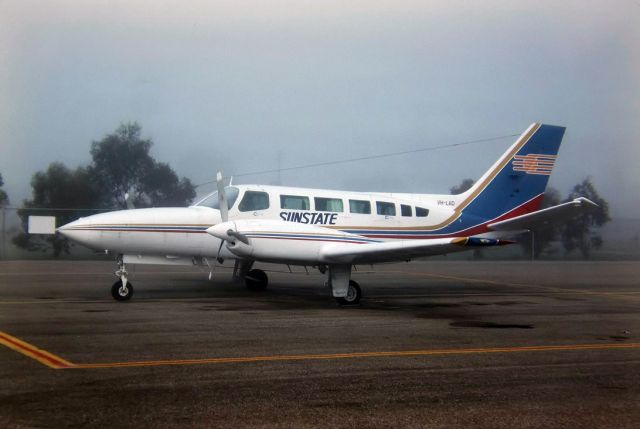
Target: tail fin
{"points": [[515, 184]]}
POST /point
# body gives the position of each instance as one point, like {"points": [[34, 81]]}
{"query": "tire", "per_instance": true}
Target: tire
{"points": [[353, 295], [256, 280], [119, 294]]}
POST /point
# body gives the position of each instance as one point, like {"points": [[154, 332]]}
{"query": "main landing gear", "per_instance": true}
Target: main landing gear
{"points": [[256, 280], [122, 289], [253, 279], [343, 289], [346, 292], [354, 294]]}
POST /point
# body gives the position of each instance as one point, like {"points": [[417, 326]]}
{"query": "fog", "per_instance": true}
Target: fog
{"points": [[245, 86]]}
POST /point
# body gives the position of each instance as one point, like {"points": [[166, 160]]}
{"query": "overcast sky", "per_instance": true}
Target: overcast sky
{"points": [[235, 85]]}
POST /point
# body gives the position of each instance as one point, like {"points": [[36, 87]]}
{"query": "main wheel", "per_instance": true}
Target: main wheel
{"points": [[256, 280], [120, 292], [353, 294]]}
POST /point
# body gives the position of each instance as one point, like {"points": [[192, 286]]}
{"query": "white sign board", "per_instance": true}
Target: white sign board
{"points": [[42, 225]]}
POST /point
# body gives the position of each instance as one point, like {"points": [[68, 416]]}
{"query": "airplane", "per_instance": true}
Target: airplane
{"points": [[333, 230]]}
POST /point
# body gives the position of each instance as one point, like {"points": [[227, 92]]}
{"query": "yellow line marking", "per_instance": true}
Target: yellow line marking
{"points": [[40, 355], [625, 294], [333, 356], [55, 362]]}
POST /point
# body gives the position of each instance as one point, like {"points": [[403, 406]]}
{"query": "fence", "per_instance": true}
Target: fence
{"points": [[621, 239], [11, 226]]}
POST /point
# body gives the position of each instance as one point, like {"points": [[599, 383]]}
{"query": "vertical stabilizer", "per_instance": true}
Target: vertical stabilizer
{"points": [[515, 184]]}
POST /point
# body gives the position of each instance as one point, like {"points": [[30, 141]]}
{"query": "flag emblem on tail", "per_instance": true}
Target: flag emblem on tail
{"points": [[534, 163]]}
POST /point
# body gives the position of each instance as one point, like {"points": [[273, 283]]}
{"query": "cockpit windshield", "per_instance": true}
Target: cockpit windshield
{"points": [[211, 200]]}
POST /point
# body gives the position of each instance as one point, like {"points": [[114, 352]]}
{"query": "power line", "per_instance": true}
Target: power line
{"points": [[69, 209], [364, 158]]}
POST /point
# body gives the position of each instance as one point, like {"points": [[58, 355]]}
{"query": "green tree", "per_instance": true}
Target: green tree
{"points": [[582, 232], [544, 235], [123, 166], [4, 198], [57, 187], [463, 186]]}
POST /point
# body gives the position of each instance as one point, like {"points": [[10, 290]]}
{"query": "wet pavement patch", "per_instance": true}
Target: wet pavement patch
{"points": [[618, 337], [511, 302], [480, 324], [437, 304]]}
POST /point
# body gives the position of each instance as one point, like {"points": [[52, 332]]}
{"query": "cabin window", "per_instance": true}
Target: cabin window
{"points": [[254, 200], [420, 212], [294, 202], [329, 204], [211, 200], [360, 206], [387, 209], [405, 210]]}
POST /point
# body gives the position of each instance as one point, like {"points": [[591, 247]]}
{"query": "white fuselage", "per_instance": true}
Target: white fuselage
{"points": [[181, 232]]}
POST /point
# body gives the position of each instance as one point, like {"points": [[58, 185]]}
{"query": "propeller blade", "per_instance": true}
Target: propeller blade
{"points": [[239, 236], [219, 258], [222, 198]]}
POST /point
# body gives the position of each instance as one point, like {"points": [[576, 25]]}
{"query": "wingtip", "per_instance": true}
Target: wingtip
{"points": [[586, 202]]}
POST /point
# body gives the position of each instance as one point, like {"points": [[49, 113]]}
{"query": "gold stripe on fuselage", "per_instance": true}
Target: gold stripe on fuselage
{"points": [[458, 209]]}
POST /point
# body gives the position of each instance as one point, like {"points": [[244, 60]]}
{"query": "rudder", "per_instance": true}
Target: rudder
{"points": [[515, 184]]}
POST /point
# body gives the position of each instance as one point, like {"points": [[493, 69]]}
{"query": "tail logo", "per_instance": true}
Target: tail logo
{"points": [[534, 163]]}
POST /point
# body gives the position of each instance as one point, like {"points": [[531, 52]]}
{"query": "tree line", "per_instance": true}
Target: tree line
{"points": [[121, 173]]}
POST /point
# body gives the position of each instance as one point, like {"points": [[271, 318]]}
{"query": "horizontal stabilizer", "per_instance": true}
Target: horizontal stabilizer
{"points": [[546, 216]]}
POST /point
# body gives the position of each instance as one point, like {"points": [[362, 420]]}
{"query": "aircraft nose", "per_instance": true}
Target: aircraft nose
{"points": [[66, 230], [76, 230]]}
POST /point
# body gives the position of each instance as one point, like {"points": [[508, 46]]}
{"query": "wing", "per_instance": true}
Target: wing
{"points": [[546, 216], [400, 250], [287, 242]]}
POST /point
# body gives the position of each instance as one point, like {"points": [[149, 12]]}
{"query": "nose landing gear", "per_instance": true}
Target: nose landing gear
{"points": [[122, 289]]}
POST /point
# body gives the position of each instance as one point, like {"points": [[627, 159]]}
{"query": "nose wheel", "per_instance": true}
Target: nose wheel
{"points": [[121, 291]]}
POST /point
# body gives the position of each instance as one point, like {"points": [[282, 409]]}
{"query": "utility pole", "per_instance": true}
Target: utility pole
{"points": [[279, 182]]}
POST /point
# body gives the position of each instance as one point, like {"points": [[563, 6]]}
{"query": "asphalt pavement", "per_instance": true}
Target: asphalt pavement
{"points": [[433, 344]]}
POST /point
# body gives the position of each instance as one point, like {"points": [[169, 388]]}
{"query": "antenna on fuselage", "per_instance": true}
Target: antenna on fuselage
{"points": [[128, 202]]}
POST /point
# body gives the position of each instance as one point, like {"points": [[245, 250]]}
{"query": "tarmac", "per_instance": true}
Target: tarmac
{"points": [[433, 344]]}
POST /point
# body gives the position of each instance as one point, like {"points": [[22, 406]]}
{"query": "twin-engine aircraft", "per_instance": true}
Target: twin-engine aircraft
{"points": [[334, 230]]}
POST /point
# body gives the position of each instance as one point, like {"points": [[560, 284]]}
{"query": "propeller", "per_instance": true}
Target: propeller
{"points": [[238, 235], [222, 198], [224, 207], [224, 215]]}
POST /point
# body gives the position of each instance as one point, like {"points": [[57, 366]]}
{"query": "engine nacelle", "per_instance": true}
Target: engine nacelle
{"points": [[278, 241]]}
